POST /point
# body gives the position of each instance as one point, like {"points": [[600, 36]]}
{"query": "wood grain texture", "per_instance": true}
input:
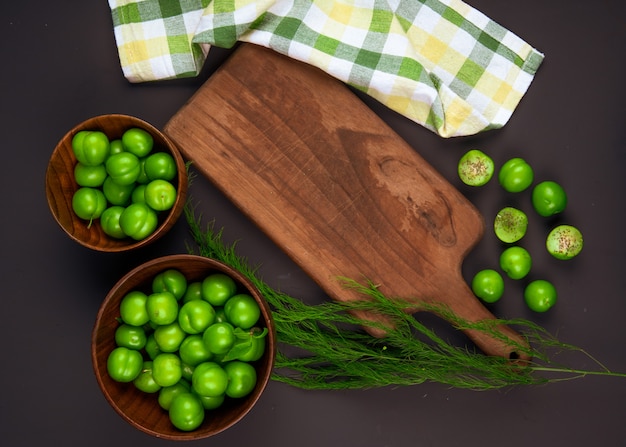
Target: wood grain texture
{"points": [[339, 191]]}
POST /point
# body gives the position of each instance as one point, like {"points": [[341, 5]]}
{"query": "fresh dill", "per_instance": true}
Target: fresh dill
{"points": [[323, 346]]}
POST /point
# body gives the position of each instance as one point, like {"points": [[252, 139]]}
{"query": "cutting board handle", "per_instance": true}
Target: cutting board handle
{"points": [[463, 307], [504, 342]]}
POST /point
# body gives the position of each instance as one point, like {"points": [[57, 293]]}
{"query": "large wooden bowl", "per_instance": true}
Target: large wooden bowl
{"points": [[141, 409], [60, 185]]}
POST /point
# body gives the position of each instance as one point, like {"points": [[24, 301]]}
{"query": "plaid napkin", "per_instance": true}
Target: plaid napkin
{"points": [[441, 63]]}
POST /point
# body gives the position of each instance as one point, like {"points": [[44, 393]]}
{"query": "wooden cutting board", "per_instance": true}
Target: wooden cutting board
{"points": [[331, 184]]}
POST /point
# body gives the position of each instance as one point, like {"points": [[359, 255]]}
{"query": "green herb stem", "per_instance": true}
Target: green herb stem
{"points": [[324, 346]]}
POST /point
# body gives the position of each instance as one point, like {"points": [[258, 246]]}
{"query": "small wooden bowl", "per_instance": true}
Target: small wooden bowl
{"points": [[60, 185], [142, 410]]}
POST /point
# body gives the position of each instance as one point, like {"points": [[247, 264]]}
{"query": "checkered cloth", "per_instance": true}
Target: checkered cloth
{"points": [[441, 63]]}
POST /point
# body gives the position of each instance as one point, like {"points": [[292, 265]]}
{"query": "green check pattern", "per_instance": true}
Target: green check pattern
{"points": [[441, 63]]}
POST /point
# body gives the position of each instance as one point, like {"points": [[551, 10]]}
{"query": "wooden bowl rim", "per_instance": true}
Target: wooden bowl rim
{"points": [[171, 261], [167, 222]]}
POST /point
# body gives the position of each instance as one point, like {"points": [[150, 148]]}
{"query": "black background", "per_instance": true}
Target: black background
{"points": [[60, 66]]}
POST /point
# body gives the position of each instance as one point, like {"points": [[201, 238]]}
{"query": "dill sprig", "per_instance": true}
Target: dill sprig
{"points": [[324, 346]]}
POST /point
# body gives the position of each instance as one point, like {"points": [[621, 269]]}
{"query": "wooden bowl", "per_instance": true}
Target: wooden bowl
{"points": [[142, 410], [60, 185]]}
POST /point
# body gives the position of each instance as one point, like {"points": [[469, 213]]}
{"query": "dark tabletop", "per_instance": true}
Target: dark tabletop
{"points": [[60, 67]]}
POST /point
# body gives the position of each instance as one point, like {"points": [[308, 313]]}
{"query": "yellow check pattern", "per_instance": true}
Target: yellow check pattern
{"points": [[441, 63]]}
